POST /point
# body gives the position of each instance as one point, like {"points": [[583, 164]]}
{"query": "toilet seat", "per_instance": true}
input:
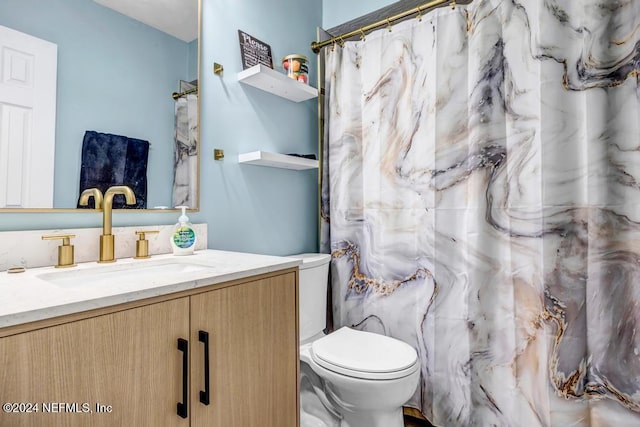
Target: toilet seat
{"points": [[364, 355]]}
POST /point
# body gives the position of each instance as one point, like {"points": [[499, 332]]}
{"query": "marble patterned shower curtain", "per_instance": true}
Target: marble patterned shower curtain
{"points": [[481, 200], [185, 166]]}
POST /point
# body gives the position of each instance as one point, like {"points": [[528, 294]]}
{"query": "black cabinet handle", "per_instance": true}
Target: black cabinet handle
{"points": [[203, 337], [183, 346]]}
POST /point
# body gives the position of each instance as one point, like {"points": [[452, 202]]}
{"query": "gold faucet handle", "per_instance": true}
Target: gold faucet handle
{"points": [[65, 251], [142, 245]]}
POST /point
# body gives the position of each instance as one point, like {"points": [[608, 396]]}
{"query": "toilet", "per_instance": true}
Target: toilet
{"points": [[367, 377]]}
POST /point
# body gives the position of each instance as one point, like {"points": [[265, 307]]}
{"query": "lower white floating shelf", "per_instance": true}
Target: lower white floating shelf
{"points": [[276, 160]]}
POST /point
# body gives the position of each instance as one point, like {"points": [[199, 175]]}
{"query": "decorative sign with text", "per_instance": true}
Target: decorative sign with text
{"points": [[254, 51]]}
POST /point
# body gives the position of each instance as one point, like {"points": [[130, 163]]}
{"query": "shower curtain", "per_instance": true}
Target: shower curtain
{"points": [[185, 167], [481, 202]]}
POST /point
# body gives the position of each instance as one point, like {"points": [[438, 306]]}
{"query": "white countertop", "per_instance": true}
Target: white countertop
{"points": [[29, 296]]}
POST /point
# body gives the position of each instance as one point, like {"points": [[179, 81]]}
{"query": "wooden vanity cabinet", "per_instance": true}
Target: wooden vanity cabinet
{"points": [[127, 361], [253, 354]]}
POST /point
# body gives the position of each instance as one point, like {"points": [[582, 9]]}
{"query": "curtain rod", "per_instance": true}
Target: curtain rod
{"points": [[176, 95], [316, 46]]}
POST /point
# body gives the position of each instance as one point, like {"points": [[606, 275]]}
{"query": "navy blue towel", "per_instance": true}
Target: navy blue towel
{"points": [[109, 160]]}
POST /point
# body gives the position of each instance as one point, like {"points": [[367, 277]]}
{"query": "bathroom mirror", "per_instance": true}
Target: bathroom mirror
{"points": [[115, 75]]}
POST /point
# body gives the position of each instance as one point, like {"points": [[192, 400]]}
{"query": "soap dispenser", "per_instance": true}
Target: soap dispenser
{"points": [[183, 238]]}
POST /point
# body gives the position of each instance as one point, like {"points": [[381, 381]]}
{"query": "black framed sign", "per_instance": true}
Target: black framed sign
{"points": [[254, 51]]}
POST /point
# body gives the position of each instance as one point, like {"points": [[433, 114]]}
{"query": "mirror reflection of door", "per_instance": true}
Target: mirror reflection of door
{"points": [[28, 71]]}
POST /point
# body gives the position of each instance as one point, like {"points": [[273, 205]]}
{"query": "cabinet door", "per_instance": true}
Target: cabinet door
{"points": [[253, 338], [126, 361]]}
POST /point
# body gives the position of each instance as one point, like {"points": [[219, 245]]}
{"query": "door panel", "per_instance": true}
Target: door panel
{"points": [[28, 73], [127, 360], [253, 340]]}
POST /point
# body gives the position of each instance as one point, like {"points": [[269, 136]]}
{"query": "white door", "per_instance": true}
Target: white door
{"points": [[28, 75]]}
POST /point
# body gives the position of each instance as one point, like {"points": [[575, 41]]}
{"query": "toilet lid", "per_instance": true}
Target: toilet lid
{"points": [[364, 354]]}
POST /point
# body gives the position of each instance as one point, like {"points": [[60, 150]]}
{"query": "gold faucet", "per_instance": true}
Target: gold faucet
{"points": [[107, 240], [91, 192]]}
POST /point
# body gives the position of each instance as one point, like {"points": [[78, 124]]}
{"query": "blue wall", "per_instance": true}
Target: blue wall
{"points": [[192, 61], [253, 208], [115, 75], [248, 208], [336, 12]]}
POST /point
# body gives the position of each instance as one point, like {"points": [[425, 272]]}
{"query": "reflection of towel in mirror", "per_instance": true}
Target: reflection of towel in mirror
{"points": [[109, 160]]}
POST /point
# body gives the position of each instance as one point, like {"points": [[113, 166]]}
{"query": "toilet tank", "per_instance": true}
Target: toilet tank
{"points": [[312, 281]]}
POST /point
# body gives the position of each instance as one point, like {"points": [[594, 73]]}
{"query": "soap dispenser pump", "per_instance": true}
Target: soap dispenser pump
{"points": [[183, 238]]}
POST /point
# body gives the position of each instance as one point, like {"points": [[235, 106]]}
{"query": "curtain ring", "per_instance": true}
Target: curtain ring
{"points": [[453, 4], [363, 37], [341, 42], [388, 25], [419, 14]]}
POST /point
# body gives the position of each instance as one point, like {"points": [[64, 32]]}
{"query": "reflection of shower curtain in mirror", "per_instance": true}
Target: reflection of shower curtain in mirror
{"points": [[185, 167]]}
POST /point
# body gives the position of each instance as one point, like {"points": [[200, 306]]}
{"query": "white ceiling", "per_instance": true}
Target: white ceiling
{"points": [[176, 17]]}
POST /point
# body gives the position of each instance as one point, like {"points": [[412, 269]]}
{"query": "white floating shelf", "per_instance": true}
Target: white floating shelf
{"points": [[275, 160], [277, 83]]}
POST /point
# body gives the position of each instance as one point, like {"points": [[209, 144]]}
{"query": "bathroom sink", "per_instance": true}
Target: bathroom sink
{"points": [[169, 270]]}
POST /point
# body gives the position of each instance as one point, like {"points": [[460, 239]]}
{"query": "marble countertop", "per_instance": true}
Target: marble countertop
{"points": [[47, 292]]}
